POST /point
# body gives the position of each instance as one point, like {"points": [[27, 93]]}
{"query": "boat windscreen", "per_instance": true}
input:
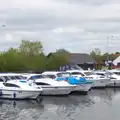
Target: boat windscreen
{"points": [[19, 77], [38, 77], [12, 77], [89, 73], [65, 74], [59, 75], [6, 78], [109, 73]]}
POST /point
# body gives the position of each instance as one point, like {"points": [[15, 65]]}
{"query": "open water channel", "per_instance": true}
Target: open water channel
{"points": [[97, 105]]}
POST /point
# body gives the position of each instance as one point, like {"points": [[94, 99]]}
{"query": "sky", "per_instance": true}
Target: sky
{"points": [[79, 26]]}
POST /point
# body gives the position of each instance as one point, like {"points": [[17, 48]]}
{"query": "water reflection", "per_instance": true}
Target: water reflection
{"points": [[106, 95], [11, 110], [21, 104], [98, 104]]}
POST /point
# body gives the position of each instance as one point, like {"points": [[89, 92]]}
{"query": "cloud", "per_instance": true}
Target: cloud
{"points": [[76, 25], [67, 30]]}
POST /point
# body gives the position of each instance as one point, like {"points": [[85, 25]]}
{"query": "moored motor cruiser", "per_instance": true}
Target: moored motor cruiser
{"points": [[50, 86], [19, 90], [81, 86], [99, 81]]}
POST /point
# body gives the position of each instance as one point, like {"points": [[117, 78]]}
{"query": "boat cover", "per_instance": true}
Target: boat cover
{"points": [[74, 80]]}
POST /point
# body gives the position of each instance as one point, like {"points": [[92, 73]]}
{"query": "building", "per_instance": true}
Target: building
{"points": [[82, 60], [116, 62]]}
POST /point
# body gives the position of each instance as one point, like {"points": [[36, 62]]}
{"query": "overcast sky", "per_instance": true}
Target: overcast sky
{"points": [[76, 25]]}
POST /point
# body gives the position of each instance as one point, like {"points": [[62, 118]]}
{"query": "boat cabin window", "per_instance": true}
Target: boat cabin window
{"points": [[10, 85], [19, 77], [23, 77], [66, 74], [41, 83], [37, 77], [12, 77], [6, 78], [100, 74], [89, 73], [77, 73], [51, 76], [15, 77], [117, 73], [1, 80], [59, 75], [109, 73]]}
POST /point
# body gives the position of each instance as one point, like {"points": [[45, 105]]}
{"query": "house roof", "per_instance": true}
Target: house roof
{"points": [[116, 61], [78, 58], [81, 58]]}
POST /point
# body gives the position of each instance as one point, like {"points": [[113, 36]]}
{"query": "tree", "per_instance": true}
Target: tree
{"points": [[36, 63], [96, 55], [62, 51], [11, 60], [95, 52], [13, 50], [55, 61], [117, 53], [31, 48]]}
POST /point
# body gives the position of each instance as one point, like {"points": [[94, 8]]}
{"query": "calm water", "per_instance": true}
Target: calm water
{"points": [[97, 105]]}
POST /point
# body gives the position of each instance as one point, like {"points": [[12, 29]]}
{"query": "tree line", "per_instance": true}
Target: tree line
{"points": [[28, 57], [101, 58]]}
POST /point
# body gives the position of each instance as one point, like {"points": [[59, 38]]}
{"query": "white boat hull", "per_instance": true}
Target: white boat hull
{"points": [[83, 87], [19, 94], [100, 83], [57, 90], [114, 83]]}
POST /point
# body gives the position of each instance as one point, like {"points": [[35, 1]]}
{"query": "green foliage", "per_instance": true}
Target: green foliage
{"points": [[62, 51], [55, 61], [100, 58], [117, 53], [31, 48], [29, 57], [11, 61], [96, 52]]}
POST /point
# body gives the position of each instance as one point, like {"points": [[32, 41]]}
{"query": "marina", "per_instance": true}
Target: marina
{"points": [[33, 86], [59, 60]]}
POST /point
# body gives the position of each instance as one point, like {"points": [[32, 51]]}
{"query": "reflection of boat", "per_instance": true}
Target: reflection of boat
{"points": [[21, 104], [67, 106], [106, 95], [17, 89], [72, 100]]}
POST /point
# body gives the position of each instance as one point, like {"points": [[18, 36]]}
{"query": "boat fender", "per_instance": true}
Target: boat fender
{"points": [[1, 92], [14, 95], [114, 83], [30, 82]]}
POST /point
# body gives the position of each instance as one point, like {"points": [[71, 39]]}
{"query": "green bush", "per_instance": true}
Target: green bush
{"points": [[16, 60]]}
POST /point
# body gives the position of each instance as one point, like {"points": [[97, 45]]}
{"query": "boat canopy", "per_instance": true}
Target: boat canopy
{"points": [[73, 80]]}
